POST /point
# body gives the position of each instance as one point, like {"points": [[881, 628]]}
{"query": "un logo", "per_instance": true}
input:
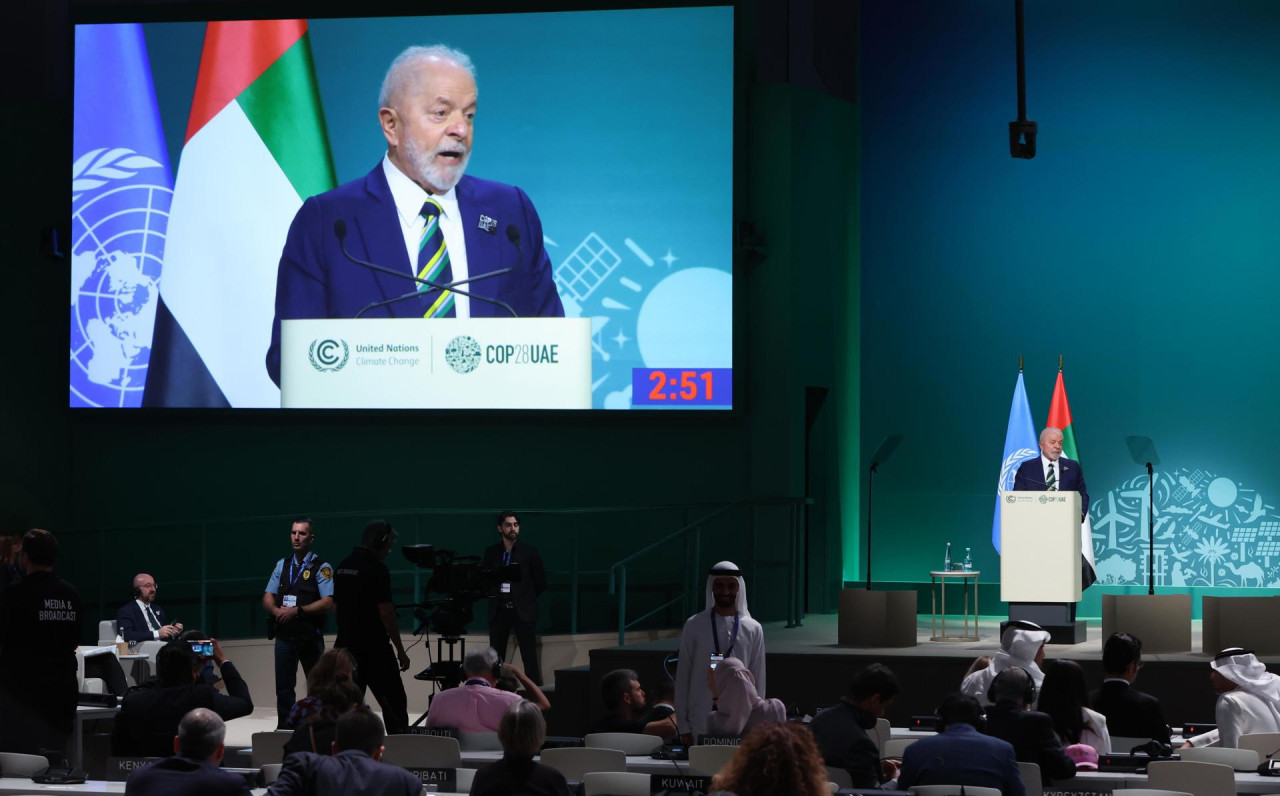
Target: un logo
{"points": [[1010, 498], [462, 354], [325, 354], [1043, 499]]}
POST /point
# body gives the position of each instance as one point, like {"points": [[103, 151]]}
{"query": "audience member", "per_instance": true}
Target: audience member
{"points": [[735, 706], [663, 706], [149, 715], [141, 619], [979, 663], [476, 705], [723, 628], [960, 754], [627, 710], [775, 758], [354, 769], [194, 769], [208, 674], [521, 731], [507, 683], [332, 667], [1248, 698], [1065, 698], [40, 624], [1129, 712], [316, 732], [1011, 719], [1021, 645], [843, 731]]}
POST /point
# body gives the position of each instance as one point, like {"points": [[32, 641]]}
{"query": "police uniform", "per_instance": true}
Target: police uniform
{"points": [[40, 625], [360, 583], [301, 639]]}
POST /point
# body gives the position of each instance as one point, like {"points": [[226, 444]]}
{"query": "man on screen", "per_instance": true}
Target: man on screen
{"points": [[418, 216], [1052, 472]]}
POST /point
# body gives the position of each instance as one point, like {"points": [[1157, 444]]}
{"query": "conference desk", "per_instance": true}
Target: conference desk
{"points": [[76, 755]]}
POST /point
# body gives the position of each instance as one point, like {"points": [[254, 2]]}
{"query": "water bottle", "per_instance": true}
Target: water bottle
{"points": [[968, 561], [946, 561]]}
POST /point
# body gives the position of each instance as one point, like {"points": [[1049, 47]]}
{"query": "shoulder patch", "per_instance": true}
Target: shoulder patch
{"points": [[326, 572]]}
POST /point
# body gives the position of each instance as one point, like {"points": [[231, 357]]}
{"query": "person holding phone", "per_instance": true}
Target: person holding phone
{"points": [[725, 628]]}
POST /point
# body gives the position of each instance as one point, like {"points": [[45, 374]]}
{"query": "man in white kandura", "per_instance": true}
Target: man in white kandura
{"points": [[723, 629], [1248, 699], [1021, 645]]}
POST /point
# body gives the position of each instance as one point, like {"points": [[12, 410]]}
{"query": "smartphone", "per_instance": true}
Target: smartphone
{"points": [[715, 659], [202, 647]]}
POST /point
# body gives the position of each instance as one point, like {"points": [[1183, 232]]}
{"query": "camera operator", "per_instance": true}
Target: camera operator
{"points": [[515, 605], [367, 622]]}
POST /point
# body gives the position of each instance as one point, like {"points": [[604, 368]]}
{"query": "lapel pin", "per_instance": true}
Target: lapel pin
{"points": [[488, 224]]}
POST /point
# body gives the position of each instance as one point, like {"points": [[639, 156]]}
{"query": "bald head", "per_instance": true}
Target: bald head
{"points": [[144, 587], [201, 736]]}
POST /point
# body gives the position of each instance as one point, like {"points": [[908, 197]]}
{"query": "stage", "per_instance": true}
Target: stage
{"points": [[807, 670]]}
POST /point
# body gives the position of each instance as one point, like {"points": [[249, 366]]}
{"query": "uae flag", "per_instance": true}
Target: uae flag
{"points": [[255, 148], [1060, 418]]}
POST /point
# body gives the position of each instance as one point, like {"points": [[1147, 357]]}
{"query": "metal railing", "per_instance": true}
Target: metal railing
{"points": [[691, 536]]}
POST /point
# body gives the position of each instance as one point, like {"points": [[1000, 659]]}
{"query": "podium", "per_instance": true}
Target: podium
{"points": [[1040, 561], [436, 363]]}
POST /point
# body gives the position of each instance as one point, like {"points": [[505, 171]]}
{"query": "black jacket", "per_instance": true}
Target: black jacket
{"points": [[1130, 713], [533, 579], [149, 714], [513, 776], [1034, 741], [841, 733]]}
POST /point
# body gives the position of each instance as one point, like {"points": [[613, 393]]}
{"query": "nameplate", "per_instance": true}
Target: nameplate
{"points": [[563, 742], [679, 783], [445, 779], [719, 740], [119, 768], [438, 732], [1102, 790]]}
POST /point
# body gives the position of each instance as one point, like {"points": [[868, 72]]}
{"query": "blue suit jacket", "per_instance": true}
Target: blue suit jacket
{"points": [[961, 756], [181, 776], [316, 281], [1030, 478], [348, 772], [133, 626]]}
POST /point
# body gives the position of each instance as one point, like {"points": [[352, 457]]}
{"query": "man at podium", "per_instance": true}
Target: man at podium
{"points": [[415, 219], [1053, 472]]}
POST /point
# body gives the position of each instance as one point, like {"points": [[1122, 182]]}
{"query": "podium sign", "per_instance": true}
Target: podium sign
{"points": [[438, 363], [1040, 547]]}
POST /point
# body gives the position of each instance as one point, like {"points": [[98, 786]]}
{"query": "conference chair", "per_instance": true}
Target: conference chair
{"points": [[1264, 743], [1198, 779], [421, 751], [271, 772], [1153, 792], [953, 790], [841, 777], [1032, 781], [576, 762], [615, 783], [465, 776], [1238, 759], [479, 742], [894, 747], [708, 760], [13, 764], [629, 743], [268, 747], [883, 733]]}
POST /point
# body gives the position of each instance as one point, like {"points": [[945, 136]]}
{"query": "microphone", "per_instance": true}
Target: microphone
{"points": [[1269, 767], [513, 235], [340, 232]]}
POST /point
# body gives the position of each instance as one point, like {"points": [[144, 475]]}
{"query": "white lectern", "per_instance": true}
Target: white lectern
{"points": [[445, 363], [1040, 561]]}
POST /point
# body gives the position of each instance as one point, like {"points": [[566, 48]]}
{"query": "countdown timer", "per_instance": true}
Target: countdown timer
{"points": [[682, 387]]}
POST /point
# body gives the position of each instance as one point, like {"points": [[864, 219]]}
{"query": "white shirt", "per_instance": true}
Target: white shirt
{"points": [[409, 198], [1237, 712], [147, 613], [1044, 468], [693, 698]]}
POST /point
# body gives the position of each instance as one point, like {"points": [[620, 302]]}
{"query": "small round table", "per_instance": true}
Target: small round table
{"points": [[938, 582]]}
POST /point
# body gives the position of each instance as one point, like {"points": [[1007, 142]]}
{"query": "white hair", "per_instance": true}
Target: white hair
{"points": [[481, 661], [1049, 430], [398, 72]]}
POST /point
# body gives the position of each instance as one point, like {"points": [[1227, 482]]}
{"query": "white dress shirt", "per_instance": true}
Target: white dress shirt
{"points": [[147, 614], [1057, 470], [409, 198]]}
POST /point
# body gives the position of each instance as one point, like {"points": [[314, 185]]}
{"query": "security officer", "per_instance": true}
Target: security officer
{"points": [[367, 621], [298, 595], [40, 624]]}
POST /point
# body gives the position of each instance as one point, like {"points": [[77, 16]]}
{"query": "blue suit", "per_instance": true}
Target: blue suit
{"points": [[961, 756], [348, 773], [132, 624], [1070, 478], [182, 776], [316, 281]]}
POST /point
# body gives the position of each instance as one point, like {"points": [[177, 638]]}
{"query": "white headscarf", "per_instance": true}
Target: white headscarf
{"points": [[1251, 676], [1019, 644], [728, 569]]}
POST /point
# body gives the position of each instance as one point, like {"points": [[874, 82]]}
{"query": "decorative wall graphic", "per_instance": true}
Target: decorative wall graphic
{"points": [[1209, 531]]}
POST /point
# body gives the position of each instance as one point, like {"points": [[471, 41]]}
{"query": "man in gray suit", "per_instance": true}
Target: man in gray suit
{"points": [[354, 769]]}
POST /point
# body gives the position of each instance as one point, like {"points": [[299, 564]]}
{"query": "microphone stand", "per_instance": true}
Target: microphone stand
{"points": [[882, 455], [1143, 451]]}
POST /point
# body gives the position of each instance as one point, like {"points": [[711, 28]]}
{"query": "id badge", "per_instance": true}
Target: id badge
{"points": [[715, 659], [290, 600], [506, 588]]}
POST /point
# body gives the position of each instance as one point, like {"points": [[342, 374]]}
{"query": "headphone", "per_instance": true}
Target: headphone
{"points": [[385, 538], [137, 593], [1028, 693], [497, 670]]}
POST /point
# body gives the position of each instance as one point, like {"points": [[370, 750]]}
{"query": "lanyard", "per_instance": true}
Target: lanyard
{"points": [[506, 557], [295, 572], [476, 681], [715, 636]]}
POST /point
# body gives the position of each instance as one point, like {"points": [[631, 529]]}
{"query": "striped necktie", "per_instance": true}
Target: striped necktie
{"points": [[433, 261], [1050, 481]]}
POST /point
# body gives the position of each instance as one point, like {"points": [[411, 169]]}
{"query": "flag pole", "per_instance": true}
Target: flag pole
{"points": [[1059, 363]]}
